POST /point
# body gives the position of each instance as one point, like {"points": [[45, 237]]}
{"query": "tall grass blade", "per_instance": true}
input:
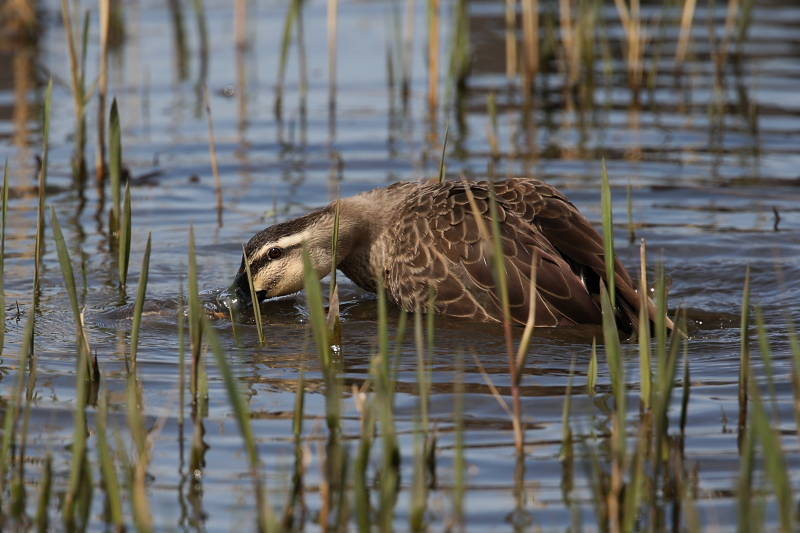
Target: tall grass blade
{"points": [[319, 328], [744, 358], [78, 462], [45, 489], [774, 457], [442, 166], [140, 296], [3, 257], [266, 520], [286, 40], [39, 251], [107, 466], [125, 233], [115, 167], [591, 374], [15, 403], [195, 324], [139, 463], [254, 298], [100, 165], [334, 322], [69, 281], [459, 460], [608, 237], [645, 363], [213, 149], [616, 368]]}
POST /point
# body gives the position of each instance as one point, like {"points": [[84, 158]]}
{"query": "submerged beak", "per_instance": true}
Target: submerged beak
{"points": [[240, 292]]}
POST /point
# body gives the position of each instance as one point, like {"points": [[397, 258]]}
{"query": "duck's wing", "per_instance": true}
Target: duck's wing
{"points": [[575, 240], [438, 246]]}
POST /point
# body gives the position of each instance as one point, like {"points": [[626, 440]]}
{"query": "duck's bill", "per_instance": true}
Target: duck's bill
{"points": [[239, 292]]}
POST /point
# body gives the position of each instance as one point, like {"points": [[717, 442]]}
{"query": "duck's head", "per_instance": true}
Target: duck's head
{"points": [[275, 257]]}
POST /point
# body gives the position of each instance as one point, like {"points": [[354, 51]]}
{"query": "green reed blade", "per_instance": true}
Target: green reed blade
{"points": [[635, 487], [419, 492], [491, 105], [286, 40], [39, 251], [115, 166], [140, 296], [125, 231], [795, 345], [459, 459], [608, 237], [181, 357], [3, 256], [140, 504], [384, 390], [45, 490], [766, 357], [66, 266], [631, 232], [69, 281], [15, 402], [254, 298], [645, 363], [566, 435], [334, 321], [266, 519], [316, 309], [195, 325], [442, 166], [744, 358], [774, 457], [616, 368], [320, 330], [591, 373], [77, 468], [361, 492], [107, 466], [686, 384]]}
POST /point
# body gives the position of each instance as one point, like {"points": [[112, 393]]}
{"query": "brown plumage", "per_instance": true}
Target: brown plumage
{"points": [[421, 236]]}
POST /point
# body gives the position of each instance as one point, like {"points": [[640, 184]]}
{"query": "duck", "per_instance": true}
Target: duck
{"points": [[419, 239]]}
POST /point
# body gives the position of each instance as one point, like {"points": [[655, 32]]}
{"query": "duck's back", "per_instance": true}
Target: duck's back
{"points": [[436, 244]]}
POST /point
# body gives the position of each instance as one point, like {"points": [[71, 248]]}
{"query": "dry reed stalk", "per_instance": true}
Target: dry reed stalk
{"points": [[686, 30], [240, 28], [530, 36], [433, 55], [408, 44], [214, 164], [632, 24], [730, 23], [571, 45], [511, 40], [333, 22], [105, 18]]}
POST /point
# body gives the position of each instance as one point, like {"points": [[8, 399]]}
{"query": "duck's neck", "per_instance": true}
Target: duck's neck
{"points": [[359, 253]]}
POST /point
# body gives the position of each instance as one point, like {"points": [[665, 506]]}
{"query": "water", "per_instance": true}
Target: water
{"points": [[712, 191]]}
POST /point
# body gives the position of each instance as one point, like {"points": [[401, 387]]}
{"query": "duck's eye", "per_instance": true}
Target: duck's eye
{"points": [[274, 253]]}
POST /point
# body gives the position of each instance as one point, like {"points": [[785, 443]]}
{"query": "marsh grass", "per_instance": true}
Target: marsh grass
{"points": [[212, 146], [139, 305], [3, 254], [634, 474], [80, 93], [254, 298], [115, 174]]}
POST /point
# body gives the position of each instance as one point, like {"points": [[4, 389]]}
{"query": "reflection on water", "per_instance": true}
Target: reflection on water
{"points": [[709, 155]]}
